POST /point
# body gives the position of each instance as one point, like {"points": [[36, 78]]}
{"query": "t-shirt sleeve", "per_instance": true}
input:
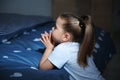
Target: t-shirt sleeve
{"points": [[59, 56]]}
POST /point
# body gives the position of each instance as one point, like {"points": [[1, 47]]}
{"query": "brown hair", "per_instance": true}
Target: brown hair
{"points": [[82, 31]]}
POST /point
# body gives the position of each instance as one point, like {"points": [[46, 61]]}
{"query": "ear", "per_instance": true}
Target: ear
{"points": [[67, 37]]}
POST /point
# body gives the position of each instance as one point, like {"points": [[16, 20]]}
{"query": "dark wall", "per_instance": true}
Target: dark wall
{"points": [[116, 15], [100, 10], [28, 7]]}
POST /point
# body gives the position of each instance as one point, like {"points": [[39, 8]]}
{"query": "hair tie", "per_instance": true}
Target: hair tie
{"points": [[82, 25]]}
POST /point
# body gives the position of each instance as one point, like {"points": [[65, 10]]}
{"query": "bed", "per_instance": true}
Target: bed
{"points": [[21, 49]]}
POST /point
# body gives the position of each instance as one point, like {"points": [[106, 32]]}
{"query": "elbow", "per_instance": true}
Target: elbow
{"points": [[41, 67], [45, 67]]}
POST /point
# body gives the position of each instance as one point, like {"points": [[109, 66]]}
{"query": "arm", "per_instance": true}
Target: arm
{"points": [[45, 64]]}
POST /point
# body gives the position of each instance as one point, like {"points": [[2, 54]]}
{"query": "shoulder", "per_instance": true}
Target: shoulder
{"points": [[67, 45]]}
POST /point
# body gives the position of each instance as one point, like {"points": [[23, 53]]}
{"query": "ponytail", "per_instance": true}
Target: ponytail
{"points": [[82, 31], [87, 40]]}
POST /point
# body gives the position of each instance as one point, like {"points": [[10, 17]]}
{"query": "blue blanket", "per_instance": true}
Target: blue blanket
{"points": [[21, 49]]}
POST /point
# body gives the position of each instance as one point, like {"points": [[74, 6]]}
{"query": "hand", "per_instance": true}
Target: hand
{"points": [[47, 41], [45, 64]]}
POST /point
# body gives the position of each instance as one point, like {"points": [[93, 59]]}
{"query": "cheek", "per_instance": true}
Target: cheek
{"points": [[54, 38], [53, 34]]}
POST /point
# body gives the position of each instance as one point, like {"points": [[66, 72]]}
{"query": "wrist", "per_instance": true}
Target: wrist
{"points": [[49, 48]]}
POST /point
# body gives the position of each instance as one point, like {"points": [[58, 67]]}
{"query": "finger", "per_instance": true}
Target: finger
{"points": [[46, 36], [50, 34], [46, 33], [42, 34], [42, 41], [43, 38]]}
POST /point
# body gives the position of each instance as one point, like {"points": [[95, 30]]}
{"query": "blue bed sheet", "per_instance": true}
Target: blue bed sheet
{"points": [[21, 50]]}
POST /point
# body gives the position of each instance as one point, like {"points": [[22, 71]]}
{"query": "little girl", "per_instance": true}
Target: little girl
{"points": [[76, 39]]}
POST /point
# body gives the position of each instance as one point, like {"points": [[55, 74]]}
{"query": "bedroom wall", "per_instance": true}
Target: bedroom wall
{"points": [[27, 7], [101, 10], [116, 16]]}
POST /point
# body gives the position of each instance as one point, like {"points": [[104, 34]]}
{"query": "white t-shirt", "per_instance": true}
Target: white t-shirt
{"points": [[65, 55]]}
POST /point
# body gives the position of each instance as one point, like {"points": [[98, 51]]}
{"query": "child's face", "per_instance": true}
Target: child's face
{"points": [[58, 32]]}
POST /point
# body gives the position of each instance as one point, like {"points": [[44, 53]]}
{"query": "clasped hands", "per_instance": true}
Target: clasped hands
{"points": [[46, 39]]}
